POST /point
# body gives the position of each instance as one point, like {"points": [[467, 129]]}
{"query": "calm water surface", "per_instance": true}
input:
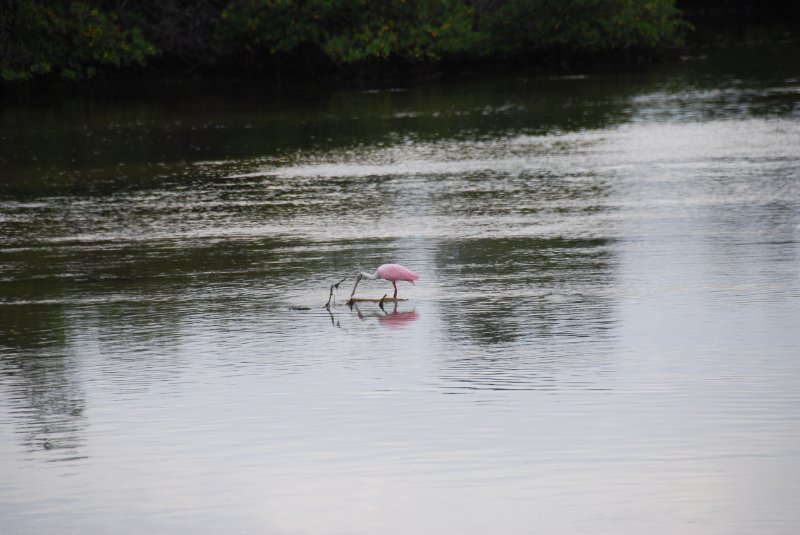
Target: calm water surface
{"points": [[604, 338]]}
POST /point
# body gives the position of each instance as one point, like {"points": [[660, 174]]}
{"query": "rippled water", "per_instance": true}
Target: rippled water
{"points": [[604, 338]]}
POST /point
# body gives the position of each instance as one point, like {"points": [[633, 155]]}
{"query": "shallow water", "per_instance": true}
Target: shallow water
{"points": [[603, 339]]}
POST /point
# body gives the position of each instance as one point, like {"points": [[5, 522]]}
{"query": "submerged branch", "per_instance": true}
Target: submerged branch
{"points": [[374, 300], [330, 295]]}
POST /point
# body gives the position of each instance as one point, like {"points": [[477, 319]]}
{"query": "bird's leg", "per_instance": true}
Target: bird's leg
{"points": [[395, 289]]}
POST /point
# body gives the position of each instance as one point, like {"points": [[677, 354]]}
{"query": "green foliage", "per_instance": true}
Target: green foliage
{"points": [[411, 30], [270, 26], [583, 26], [350, 32], [72, 41], [77, 39]]}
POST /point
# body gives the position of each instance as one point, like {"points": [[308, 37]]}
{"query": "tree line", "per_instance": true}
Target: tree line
{"points": [[84, 39]]}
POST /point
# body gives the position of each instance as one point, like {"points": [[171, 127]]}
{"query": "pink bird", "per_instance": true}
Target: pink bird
{"points": [[389, 272]]}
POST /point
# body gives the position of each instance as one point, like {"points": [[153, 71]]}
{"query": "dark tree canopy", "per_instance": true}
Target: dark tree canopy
{"points": [[64, 39]]}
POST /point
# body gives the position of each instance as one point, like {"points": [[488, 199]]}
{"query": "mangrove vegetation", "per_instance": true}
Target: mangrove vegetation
{"points": [[83, 39], [49, 40]]}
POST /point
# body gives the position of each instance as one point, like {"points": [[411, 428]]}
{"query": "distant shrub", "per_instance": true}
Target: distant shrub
{"points": [[71, 41], [582, 27], [77, 39], [349, 32]]}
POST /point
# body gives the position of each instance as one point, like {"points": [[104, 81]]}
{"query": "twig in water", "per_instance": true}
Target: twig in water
{"points": [[330, 295], [380, 303]]}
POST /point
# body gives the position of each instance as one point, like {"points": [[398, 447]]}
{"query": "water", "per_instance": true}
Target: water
{"points": [[603, 339]]}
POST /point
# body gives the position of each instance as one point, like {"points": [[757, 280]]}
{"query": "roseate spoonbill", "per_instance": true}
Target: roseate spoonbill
{"points": [[389, 272]]}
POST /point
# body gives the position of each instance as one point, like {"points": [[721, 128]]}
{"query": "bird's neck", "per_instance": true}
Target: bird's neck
{"points": [[371, 276]]}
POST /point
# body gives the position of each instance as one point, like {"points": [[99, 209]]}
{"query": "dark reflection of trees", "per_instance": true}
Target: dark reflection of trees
{"points": [[528, 313], [45, 398], [74, 311], [55, 147], [518, 290], [139, 341]]}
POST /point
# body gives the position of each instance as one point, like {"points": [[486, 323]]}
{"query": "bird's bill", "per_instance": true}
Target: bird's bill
{"points": [[358, 279]]}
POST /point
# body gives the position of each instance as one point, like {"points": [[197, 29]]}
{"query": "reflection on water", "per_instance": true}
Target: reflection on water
{"points": [[603, 338], [41, 382], [397, 320], [391, 316]]}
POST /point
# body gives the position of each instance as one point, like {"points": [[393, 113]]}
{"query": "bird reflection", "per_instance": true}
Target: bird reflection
{"points": [[396, 319], [393, 318]]}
